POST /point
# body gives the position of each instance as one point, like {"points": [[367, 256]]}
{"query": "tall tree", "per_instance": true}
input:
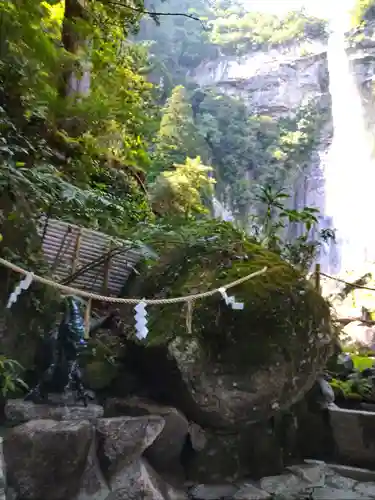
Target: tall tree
{"points": [[183, 190], [178, 136]]}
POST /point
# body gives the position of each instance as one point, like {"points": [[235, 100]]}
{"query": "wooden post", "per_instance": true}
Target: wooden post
{"points": [[317, 278], [107, 266], [87, 318], [77, 247]]}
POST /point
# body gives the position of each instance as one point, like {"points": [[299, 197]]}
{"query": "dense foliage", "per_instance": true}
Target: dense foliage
{"points": [[245, 151], [75, 153], [238, 31]]}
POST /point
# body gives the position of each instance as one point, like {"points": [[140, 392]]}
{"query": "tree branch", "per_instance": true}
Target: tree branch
{"points": [[155, 15]]}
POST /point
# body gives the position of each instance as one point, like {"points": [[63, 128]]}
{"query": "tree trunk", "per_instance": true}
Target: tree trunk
{"points": [[73, 41]]}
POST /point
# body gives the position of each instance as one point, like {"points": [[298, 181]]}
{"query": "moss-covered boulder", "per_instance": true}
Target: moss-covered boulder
{"points": [[241, 365]]}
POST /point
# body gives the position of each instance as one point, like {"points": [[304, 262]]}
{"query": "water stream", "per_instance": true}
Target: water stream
{"points": [[350, 169]]}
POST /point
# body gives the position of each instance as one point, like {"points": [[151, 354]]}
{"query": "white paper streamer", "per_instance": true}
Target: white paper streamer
{"points": [[22, 286], [141, 321], [231, 300]]}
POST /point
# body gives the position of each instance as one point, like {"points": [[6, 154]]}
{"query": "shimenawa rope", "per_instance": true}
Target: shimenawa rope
{"points": [[116, 300]]}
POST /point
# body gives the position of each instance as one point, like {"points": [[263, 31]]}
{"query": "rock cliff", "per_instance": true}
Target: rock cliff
{"points": [[278, 83], [361, 52]]}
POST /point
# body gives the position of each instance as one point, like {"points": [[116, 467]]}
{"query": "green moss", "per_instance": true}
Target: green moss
{"points": [[99, 374], [282, 310]]}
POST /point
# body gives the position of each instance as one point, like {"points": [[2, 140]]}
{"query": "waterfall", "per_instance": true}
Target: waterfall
{"points": [[350, 169], [220, 212]]}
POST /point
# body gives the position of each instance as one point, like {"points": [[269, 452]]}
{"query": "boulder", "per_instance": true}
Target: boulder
{"points": [[227, 457], [121, 440], [138, 481], [19, 411], [45, 459], [225, 369], [236, 365], [164, 454], [93, 485], [76, 460]]}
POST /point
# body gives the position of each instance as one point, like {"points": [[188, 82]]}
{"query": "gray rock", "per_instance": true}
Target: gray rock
{"points": [[356, 473], [250, 492], [327, 394], [212, 492], [19, 411], [367, 489], [335, 494], [312, 473], [45, 459], [121, 440], [164, 453], [93, 485], [336, 481], [138, 481], [286, 485], [197, 436], [229, 457]]}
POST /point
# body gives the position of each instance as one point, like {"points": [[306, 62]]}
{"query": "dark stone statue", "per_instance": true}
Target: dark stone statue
{"points": [[58, 358]]}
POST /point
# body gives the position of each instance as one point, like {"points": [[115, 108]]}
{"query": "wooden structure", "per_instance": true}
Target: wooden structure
{"points": [[87, 259]]}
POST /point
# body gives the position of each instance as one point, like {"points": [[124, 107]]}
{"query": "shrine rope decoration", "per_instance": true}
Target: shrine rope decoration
{"points": [[140, 304]]}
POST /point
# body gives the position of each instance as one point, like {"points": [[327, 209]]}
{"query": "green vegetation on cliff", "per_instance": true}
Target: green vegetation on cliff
{"points": [[240, 32], [180, 45], [243, 150]]}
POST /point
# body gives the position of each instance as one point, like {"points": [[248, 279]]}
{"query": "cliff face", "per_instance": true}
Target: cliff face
{"points": [[278, 83], [361, 52]]}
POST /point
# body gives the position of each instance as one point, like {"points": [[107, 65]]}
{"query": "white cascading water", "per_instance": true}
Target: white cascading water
{"points": [[350, 169], [220, 212]]}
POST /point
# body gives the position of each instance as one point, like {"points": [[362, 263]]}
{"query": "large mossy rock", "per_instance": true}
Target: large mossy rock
{"points": [[240, 365]]}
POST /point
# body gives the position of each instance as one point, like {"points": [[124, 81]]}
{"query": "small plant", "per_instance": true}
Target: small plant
{"points": [[276, 220], [10, 379], [354, 388]]}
